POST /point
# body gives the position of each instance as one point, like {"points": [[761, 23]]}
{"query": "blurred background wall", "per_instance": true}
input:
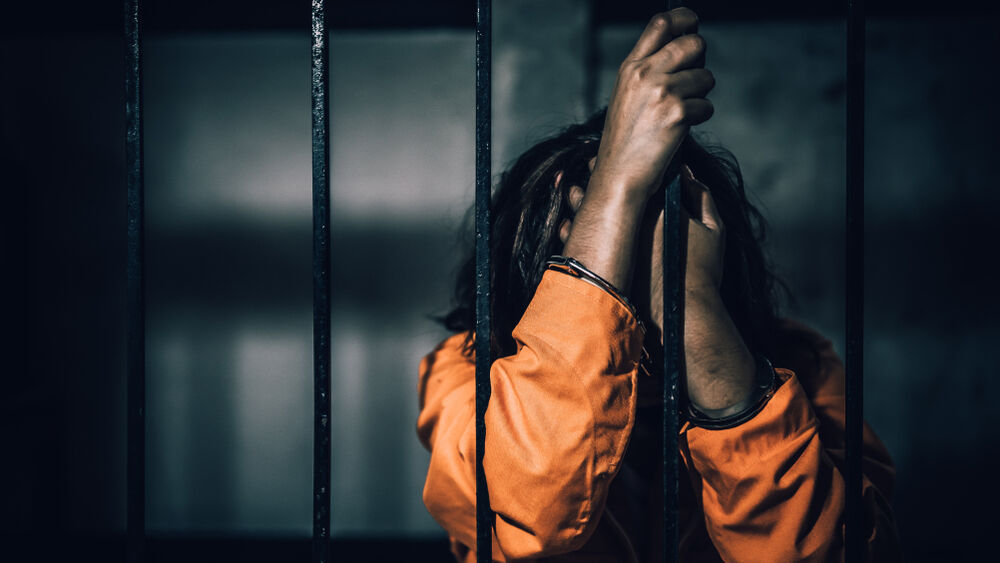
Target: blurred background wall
{"points": [[229, 394]]}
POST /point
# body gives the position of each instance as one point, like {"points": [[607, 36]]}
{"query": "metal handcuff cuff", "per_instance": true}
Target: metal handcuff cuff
{"points": [[714, 419]]}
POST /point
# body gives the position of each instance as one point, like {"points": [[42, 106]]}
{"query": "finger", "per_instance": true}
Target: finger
{"points": [[692, 111], [662, 28], [686, 215], [591, 163], [575, 198], [690, 194], [564, 229], [681, 53], [710, 214], [558, 180], [702, 204], [691, 83]]}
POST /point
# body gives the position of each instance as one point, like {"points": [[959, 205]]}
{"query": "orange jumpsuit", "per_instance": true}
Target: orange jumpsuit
{"points": [[567, 461]]}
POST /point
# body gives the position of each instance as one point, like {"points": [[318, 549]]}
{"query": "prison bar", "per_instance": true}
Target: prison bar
{"points": [[321, 285], [484, 351], [673, 345], [854, 536], [673, 287], [135, 302], [673, 340], [673, 327]]}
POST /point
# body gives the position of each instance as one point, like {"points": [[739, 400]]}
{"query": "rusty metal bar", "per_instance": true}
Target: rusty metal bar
{"points": [[135, 291], [484, 353], [321, 284]]}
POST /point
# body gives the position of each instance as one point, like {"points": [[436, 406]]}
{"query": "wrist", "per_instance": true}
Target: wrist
{"points": [[764, 385], [719, 365], [603, 234], [623, 192]]}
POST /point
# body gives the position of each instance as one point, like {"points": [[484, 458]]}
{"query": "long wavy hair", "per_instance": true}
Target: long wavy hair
{"points": [[528, 208]]}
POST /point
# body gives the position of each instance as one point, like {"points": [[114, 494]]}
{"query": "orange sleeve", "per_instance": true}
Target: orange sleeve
{"points": [[772, 487], [560, 414]]}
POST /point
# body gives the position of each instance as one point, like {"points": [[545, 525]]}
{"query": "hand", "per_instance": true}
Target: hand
{"points": [[658, 96], [706, 236], [660, 93], [719, 368], [706, 247]]}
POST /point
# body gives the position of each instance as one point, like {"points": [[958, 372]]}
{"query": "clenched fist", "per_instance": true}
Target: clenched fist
{"points": [[660, 93]]}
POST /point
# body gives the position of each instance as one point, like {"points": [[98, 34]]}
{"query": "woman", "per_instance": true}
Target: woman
{"points": [[572, 444]]}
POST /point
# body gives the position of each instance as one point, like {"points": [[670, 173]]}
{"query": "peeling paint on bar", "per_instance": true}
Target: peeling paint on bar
{"points": [[135, 291], [321, 285], [484, 353]]}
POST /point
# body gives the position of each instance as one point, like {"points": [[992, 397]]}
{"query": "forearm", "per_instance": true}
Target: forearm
{"points": [[603, 233], [720, 368], [550, 457]]}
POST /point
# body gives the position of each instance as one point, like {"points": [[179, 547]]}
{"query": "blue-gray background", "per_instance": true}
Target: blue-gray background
{"points": [[229, 365]]}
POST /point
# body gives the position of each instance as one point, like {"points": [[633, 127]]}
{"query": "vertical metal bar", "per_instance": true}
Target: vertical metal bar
{"points": [[673, 342], [484, 352], [855, 281], [321, 285], [135, 291], [673, 315]]}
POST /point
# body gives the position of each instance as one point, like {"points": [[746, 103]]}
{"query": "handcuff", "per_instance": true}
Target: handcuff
{"points": [[765, 379]]}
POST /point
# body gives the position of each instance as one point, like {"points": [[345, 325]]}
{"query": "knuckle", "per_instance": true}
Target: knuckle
{"points": [[661, 21], [685, 116], [642, 71], [630, 69], [639, 71], [698, 43], [689, 14], [676, 115], [672, 54]]}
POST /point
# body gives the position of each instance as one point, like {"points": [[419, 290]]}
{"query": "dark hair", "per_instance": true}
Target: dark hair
{"points": [[528, 209]]}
